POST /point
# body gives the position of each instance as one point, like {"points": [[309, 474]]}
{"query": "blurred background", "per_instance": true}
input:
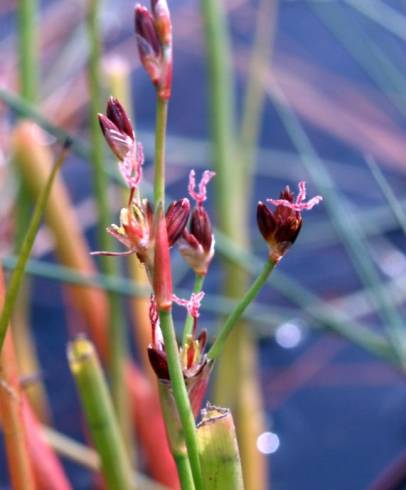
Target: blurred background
{"points": [[333, 113]]}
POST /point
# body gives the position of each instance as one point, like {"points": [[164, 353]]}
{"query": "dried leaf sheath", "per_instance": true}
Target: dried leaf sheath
{"points": [[219, 454]]}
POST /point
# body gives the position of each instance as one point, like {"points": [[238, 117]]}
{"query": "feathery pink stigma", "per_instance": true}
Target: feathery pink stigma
{"points": [[131, 166], [201, 195], [299, 205], [192, 305]]}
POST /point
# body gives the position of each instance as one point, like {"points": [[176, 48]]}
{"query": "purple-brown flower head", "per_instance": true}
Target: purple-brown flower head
{"points": [[119, 134], [197, 244], [154, 42], [281, 227], [177, 216]]}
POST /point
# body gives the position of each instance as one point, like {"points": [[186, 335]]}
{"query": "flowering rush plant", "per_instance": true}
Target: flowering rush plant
{"points": [[149, 229]]}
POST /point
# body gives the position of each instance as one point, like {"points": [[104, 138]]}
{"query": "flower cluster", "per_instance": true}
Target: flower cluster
{"points": [[151, 233]]}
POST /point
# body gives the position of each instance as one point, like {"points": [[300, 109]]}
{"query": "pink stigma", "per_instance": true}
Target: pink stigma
{"points": [[192, 305], [201, 195], [131, 166], [299, 205]]}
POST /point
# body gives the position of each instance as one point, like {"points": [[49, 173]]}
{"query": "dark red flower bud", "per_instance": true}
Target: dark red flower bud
{"points": [[177, 216], [200, 227], [119, 144], [265, 220], [197, 245], [118, 115], [119, 134], [159, 362], [281, 227], [145, 29]]}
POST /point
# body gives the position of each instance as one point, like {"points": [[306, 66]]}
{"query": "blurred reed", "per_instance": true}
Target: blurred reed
{"points": [[29, 77], [26, 246], [116, 322], [100, 415], [14, 430]]}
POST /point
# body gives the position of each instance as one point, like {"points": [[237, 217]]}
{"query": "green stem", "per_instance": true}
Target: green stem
{"points": [[28, 61], [184, 472], [105, 433], [118, 351], [188, 327], [181, 396], [18, 273], [159, 163], [29, 81], [235, 315]]}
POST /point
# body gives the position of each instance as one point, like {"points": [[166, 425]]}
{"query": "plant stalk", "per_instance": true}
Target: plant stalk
{"points": [[18, 273], [175, 435], [184, 471], [181, 396], [117, 332], [159, 162], [28, 49], [235, 315]]}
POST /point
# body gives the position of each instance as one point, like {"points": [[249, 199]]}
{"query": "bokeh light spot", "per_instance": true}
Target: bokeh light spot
{"points": [[268, 443]]}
